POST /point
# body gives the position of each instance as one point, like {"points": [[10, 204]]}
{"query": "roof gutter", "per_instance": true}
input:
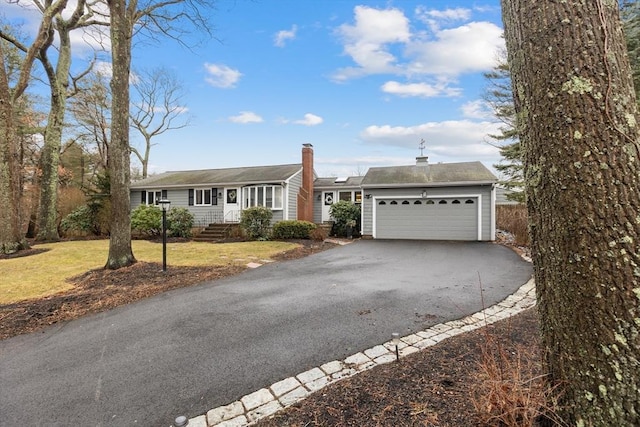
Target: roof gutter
{"points": [[430, 184], [217, 184]]}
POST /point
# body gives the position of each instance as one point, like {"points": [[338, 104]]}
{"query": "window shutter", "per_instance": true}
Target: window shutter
{"points": [[164, 194], [143, 199], [191, 197], [214, 196]]}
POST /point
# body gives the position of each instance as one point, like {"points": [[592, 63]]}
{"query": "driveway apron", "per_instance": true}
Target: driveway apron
{"points": [[192, 349]]}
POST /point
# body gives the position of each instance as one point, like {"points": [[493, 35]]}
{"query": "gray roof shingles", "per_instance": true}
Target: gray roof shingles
{"points": [[229, 176], [431, 174], [352, 181]]}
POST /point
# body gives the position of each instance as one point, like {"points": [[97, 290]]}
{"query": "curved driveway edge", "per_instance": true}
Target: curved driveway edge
{"points": [[282, 394]]}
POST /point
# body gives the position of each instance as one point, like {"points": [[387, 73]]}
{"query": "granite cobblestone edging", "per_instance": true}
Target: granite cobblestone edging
{"points": [[267, 401]]}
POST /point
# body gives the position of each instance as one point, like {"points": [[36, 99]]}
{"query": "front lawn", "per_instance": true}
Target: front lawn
{"points": [[46, 273]]}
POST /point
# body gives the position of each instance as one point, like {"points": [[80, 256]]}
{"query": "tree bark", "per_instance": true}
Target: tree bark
{"points": [[11, 236], [577, 111], [50, 157], [120, 252]]}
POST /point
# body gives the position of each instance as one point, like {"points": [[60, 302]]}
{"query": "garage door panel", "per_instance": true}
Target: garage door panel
{"points": [[437, 221]]}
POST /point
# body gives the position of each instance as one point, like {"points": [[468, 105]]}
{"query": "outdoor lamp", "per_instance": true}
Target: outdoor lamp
{"points": [[395, 340], [165, 204]]}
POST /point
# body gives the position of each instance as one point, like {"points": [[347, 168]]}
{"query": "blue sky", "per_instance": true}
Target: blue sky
{"points": [[363, 81]]}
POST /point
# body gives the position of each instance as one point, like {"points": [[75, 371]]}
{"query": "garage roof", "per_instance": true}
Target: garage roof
{"points": [[247, 175], [439, 174]]}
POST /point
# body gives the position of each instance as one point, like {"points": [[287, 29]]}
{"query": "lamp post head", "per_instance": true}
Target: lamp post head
{"points": [[164, 203]]}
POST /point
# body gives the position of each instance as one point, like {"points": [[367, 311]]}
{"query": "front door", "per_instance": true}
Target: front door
{"points": [[231, 205], [328, 198]]}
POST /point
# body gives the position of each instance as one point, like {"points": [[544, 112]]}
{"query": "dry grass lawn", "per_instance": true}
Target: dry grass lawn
{"points": [[46, 273]]}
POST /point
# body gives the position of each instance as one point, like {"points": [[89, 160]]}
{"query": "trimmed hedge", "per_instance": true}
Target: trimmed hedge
{"points": [[292, 229]]}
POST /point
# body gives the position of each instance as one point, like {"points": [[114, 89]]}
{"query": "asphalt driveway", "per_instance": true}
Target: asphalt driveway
{"points": [[189, 350]]}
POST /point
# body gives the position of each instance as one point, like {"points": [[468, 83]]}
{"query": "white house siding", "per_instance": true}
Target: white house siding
{"points": [[462, 227]]}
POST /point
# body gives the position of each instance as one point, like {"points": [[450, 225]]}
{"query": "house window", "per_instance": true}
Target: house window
{"points": [[151, 197], [358, 197], [203, 196], [345, 196], [269, 196]]}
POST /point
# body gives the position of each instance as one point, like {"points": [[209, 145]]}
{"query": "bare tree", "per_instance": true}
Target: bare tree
{"points": [[11, 232], [578, 123], [91, 110], [157, 109], [126, 17]]}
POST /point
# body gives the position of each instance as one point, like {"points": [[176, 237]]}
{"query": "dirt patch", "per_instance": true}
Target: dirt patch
{"points": [[99, 290]]}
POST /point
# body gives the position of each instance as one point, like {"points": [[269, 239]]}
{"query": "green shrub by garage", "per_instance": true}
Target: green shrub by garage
{"points": [[292, 229]]}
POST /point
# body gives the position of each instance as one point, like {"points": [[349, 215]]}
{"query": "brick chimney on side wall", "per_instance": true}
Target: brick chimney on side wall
{"points": [[305, 195]]}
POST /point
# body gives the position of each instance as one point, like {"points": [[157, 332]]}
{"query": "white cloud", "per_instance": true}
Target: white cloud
{"points": [[366, 42], [436, 18], [105, 69], [423, 90], [309, 120], [451, 140], [222, 76], [382, 42], [465, 49], [283, 36], [478, 109], [246, 117]]}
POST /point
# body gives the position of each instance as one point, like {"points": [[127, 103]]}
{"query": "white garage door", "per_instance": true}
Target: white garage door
{"points": [[447, 218]]}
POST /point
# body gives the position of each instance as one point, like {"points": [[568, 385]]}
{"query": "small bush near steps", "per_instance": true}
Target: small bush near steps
{"points": [[293, 229], [256, 222]]}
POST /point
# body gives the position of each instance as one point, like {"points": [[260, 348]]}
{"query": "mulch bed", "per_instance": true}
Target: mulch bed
{"points": [[435, 387]]}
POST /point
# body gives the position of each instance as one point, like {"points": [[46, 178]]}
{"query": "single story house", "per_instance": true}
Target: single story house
{"points": [[219, 195], [443, 201]]}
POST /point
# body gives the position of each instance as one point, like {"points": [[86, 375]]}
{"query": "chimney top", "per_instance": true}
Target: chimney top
{"points": [[422, 161], [307, 145]]}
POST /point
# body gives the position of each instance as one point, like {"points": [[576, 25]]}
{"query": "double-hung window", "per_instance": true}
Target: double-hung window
{"points": [[269, 196], [203, 196], [151, 197]]}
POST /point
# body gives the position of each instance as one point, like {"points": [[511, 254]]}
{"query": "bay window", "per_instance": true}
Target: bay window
{"points": [[269, 196]]}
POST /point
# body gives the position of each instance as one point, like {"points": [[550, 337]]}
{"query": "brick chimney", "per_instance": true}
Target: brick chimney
{"points": [[305, 195]]}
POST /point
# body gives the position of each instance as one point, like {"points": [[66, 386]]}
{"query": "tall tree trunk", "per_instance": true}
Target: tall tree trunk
{"points": [[50, 158], [120, 252], [578, 125], [11, 236]]}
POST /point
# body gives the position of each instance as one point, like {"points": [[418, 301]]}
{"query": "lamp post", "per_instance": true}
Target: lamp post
{"points": [[164, 203]]}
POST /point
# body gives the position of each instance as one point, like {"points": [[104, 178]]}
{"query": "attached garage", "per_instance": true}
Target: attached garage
{"points": [[441, 218], [445, 201]]}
